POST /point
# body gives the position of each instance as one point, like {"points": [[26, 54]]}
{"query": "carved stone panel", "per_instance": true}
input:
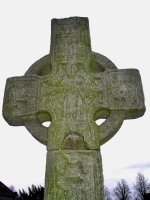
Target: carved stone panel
{"points": [[74, 175]]}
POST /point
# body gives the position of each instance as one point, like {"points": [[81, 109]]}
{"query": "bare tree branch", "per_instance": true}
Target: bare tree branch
{"points": [[122, 191], [141, 187]]}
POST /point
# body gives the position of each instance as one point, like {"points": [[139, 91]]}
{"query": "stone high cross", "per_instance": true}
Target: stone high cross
{"points": [[73, 87]]}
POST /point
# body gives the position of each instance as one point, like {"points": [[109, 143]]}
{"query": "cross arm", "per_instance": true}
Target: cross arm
{"points": [[125, 92], [20, 99], [21, 105], [125, 100]]}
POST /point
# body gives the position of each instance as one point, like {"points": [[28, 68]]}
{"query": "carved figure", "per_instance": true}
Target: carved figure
{"points": [[72, 87]]}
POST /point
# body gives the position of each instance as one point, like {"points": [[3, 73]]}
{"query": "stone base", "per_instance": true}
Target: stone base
{"points": [[74, 175]]}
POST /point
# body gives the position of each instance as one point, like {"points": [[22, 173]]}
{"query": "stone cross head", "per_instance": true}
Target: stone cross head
{"points": [[73, 87]]}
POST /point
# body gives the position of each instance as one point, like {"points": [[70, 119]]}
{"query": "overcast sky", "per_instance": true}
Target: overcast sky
{"points": [[120, 30]]}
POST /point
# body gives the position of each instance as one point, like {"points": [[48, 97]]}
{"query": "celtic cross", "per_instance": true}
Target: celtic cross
{"points": [[73, 87]]}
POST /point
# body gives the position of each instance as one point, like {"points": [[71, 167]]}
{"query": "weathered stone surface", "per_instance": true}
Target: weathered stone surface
{"points": [[74, 175], [72, 87]]}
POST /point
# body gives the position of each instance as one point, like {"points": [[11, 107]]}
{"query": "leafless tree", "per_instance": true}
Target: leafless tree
{"points": [[122, 191], [107, 194], [141, 187]]}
